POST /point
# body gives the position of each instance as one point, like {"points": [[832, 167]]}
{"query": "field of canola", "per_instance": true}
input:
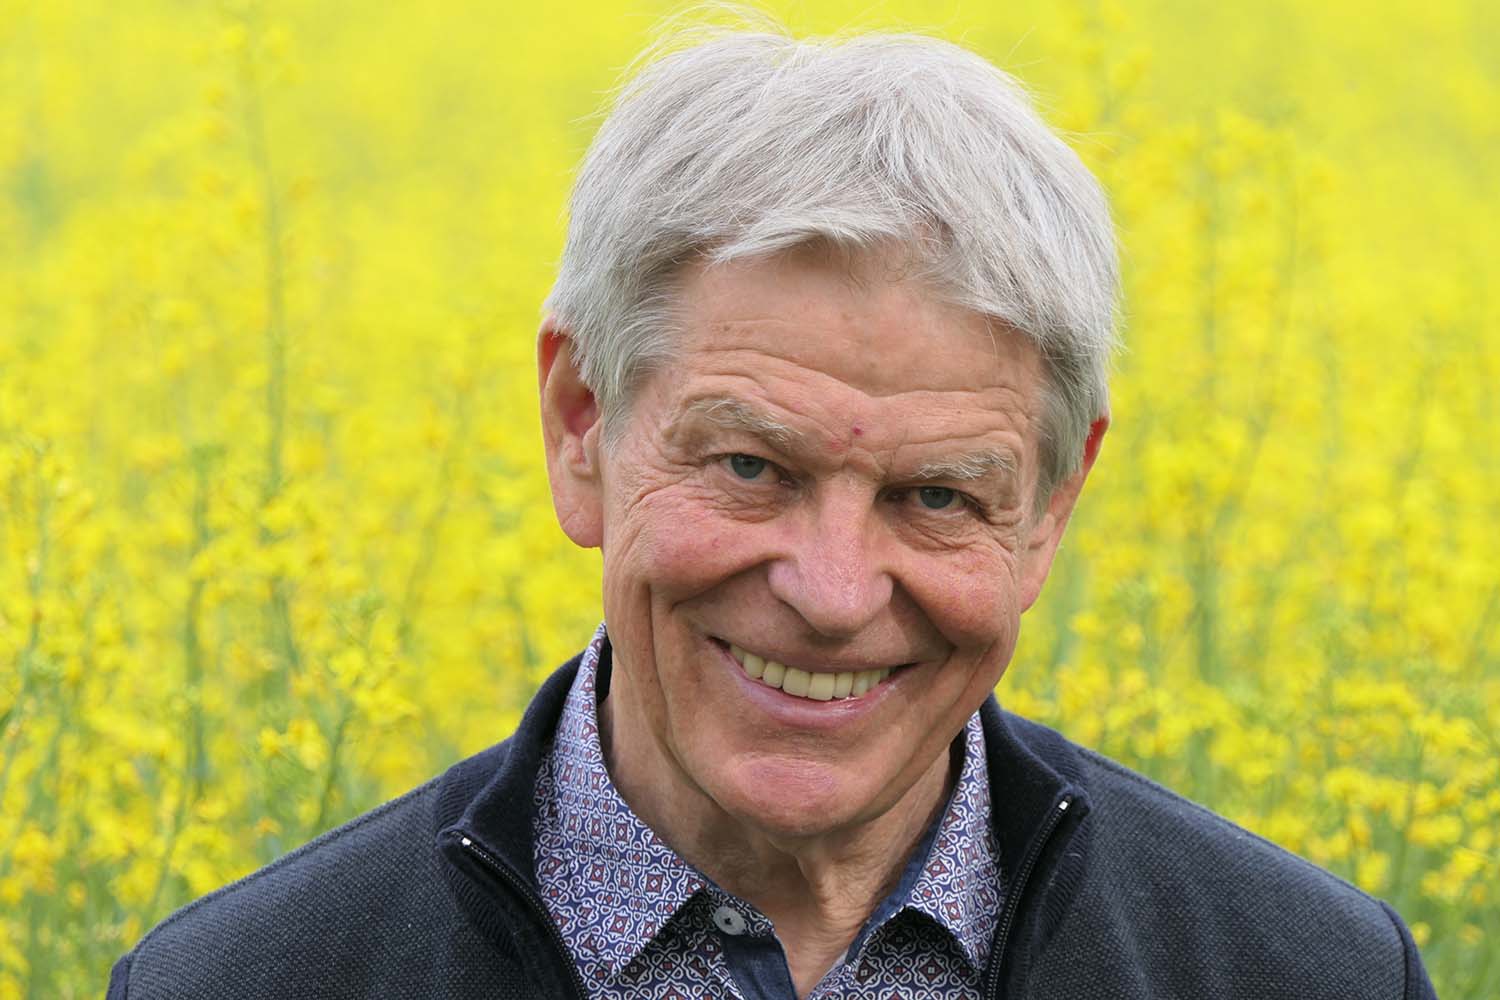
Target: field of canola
{"points": [[275, 542]]}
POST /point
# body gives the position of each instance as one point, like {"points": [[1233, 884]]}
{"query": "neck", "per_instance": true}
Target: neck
{"points": [[817, 889]]}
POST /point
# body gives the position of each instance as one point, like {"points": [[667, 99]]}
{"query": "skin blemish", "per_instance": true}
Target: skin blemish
{"points": [[856, 430]]}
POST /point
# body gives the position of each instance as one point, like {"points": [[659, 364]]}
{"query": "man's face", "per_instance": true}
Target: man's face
{"points": [[837, 477]]}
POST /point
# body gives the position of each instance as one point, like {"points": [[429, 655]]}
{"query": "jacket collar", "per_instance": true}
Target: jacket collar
{"points": [[489, 796], [1031, 769]]}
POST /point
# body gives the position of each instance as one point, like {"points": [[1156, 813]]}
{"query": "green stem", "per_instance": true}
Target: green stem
{"points": [[1403, 846], [279, 622], [325, 800], [27, 658], [416, 580], [275, 265]]}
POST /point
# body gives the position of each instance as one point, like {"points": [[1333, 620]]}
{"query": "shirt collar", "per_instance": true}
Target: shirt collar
{"points": [[594, 853], [959, 885], [614, 862]]}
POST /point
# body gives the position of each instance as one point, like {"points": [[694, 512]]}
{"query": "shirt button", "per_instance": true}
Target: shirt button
{"points": [[729, 920]]}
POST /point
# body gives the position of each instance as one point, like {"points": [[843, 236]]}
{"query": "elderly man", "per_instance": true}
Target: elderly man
{"points": [[822, 375]]}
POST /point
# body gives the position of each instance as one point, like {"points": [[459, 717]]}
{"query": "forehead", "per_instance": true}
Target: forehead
{"points": [[810, 333]]}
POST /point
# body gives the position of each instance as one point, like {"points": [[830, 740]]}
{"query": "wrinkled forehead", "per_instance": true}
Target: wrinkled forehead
{"points": [[869, 320], [827, 367]]}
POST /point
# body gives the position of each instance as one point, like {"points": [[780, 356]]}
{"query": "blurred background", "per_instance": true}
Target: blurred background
{"points": [[275, 540]]}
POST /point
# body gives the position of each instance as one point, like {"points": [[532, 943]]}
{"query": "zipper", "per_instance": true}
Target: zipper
{"points": [[533, 902], [1013, 900]]}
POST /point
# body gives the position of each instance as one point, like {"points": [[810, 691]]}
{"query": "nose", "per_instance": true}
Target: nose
{"points": [[831, 573]]}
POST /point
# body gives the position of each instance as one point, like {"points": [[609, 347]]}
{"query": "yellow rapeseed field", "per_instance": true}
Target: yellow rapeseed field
{"points": [[275, 542]]}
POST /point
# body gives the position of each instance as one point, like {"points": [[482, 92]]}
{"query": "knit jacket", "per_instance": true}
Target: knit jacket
{"points": [[1113, 888]]}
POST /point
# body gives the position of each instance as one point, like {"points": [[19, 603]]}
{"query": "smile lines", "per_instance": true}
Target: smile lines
{"points": [[805, 684]]}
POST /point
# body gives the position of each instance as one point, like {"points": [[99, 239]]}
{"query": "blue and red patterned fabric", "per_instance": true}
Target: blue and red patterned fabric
{"points": [[639, 921]]}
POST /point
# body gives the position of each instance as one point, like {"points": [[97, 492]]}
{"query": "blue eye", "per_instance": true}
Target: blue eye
{"points": [[747, 466], [937, 497]]}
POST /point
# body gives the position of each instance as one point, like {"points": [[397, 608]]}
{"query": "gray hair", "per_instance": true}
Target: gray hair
{"points": [[736, 144]]}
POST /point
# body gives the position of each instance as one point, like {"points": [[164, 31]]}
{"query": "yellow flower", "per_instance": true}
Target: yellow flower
{"points": [[1277, 595], [1436, 831], [1371, 871]]}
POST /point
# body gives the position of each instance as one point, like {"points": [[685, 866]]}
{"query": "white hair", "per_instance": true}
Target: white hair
{"points": [[736, 144]]}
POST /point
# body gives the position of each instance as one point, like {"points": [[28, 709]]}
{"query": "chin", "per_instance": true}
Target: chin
{"points": [[786, 798]]}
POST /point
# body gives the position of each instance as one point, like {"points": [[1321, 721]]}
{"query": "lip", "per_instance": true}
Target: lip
{"points": [[802, 713]]}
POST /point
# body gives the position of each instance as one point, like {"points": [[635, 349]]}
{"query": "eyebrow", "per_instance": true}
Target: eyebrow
{"points": [[736, 415], [969, 467]]}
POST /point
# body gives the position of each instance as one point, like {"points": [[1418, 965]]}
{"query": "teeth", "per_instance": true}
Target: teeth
{"points": [[754, 665], [804, 684], [796, 682], [773, 675], [821, 687]]}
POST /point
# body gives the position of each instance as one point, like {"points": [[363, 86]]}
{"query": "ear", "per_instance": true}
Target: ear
{"points": [[570, 434], [1046, 534]]}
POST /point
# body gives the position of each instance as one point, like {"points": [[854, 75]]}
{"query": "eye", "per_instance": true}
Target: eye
{"points": [[938, 497], [943, 500], [747, 466]]}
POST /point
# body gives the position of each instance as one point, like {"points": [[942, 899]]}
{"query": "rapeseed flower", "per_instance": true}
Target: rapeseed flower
{"points": [[276, 543]]}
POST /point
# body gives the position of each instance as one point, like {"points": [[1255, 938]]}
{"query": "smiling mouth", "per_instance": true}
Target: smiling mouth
{"points": [[819, 686]]}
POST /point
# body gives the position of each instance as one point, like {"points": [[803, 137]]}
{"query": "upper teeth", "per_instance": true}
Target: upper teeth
{"points": [[803, 684]]}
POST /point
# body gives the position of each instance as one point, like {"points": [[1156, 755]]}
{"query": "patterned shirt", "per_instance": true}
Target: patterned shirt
{"points": [[640, 921]]}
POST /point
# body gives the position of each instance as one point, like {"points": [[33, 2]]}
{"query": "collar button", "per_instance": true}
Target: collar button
{"points": [[729, 920]]}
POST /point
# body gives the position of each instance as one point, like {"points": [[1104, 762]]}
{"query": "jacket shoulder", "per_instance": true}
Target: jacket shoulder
{"points": [[287, 917], [1158, 828], [362, 910], [1180, 901]]}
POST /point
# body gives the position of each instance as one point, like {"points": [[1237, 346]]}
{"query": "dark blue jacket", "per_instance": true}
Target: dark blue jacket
{"points": [[1114, 888]]}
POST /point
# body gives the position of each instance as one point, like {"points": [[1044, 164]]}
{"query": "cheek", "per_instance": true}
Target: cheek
{"points": [[675, 542], [971, 597]]}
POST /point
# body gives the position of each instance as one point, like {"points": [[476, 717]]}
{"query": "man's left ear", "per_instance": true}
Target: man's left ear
{"points": [[1047, 532], [570, 434]]}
